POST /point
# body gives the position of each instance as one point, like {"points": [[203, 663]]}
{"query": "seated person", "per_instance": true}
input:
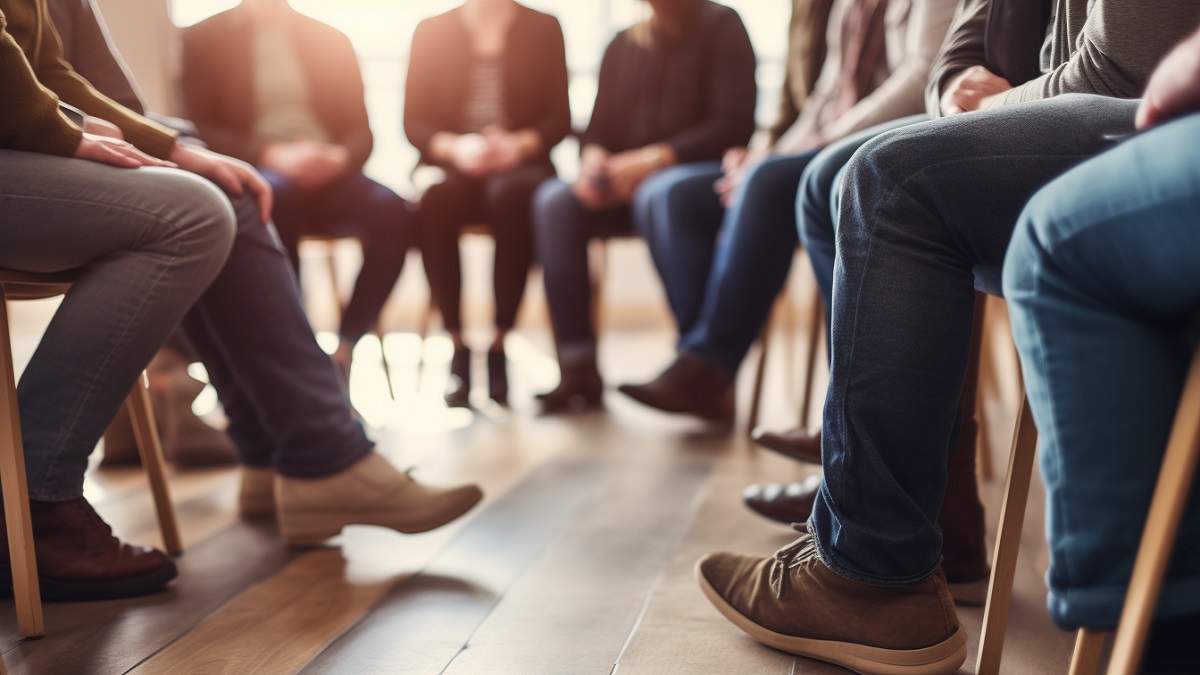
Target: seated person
{"points": [[922, 208], [1103, 287], [678, 88], [187, 440], [878, 60], [310, 461], [486, 100], [277, 89]]}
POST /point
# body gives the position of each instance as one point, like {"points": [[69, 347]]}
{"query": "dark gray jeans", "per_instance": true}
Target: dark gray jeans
{"points": [[921, 208]]}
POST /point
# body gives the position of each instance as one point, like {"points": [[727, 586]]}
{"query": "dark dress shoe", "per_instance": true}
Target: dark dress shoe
{"points": [[78, 558], [690, 386], [458, 389], [800, 444], [579, 390], [497, 362], [785, 503]]}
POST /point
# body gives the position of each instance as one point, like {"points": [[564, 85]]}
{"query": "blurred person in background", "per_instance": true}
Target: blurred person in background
{"points": [[282, 91], [724, 237], [485, 102], [677, 88]]}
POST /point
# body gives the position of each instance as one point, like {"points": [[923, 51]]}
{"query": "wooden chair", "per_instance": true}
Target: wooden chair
{"points": [[1162, 525], [21, 286], [816, 321]]}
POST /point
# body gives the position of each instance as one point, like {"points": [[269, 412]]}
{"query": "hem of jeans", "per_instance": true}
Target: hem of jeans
{"points": [[59, 497], [710, 359], [830, 560], [1100, 607], [344, 462], [577, 353]]}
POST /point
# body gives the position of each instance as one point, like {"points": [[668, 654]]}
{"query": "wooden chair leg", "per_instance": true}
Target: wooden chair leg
{"points": [[145, 431], [1089, 649], [760, 374], [16, 495], [816, 321], [1008, 541], [1162, 526]]}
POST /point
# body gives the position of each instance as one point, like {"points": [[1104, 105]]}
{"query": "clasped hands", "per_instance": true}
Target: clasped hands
{"points": [[608, 180]]}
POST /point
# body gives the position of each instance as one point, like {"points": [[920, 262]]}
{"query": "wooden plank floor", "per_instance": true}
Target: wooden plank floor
{"points": [[579, 561]]}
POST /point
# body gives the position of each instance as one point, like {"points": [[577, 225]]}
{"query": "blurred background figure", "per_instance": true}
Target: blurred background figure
{"points": [[275, 88], [676, 88], [486, 100], [878, 58]]}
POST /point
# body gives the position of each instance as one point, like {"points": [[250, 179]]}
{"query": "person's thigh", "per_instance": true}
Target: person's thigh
{"points": [[356, 203], [1103, 284], [59, 214], [814, 202]]}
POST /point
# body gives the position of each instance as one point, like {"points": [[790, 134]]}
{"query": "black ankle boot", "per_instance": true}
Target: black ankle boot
{"points": [[580, 389], [458, 389], [497, 362]]}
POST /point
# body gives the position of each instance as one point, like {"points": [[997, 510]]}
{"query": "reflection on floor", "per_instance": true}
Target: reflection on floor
{"points": [[579, 561]]}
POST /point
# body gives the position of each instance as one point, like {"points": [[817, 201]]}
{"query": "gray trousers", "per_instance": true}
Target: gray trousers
{"points": [[146, 243]]}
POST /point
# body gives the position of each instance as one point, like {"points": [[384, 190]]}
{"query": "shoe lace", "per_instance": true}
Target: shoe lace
{"points": [[789, 557]]}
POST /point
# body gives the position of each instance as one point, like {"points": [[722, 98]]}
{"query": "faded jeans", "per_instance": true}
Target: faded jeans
{"points": [[1103, 284], [921, 208]]}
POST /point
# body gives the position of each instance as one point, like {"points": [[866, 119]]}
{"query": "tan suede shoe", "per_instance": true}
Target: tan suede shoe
{"points": [[257, 496], [372, 492], [795, 603]]}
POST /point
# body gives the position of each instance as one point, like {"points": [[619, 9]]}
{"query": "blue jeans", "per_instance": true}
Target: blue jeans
{"points": [[562, 229], [1103, 283], [921, 208], [817, 203], [680, 226], [748, 265], [281, 392], [352, 206], [146, 244]]}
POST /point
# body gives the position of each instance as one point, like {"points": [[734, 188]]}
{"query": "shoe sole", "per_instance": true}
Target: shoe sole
{"points": [[944, 658], [306, 530], [715, 415], [55, 590]]}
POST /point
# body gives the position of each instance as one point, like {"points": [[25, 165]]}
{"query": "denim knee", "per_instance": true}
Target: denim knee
{"points": [[1027, 250], [199, 224]]}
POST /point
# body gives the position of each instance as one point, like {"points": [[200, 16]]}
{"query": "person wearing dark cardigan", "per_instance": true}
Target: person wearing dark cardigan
{"points": [[485, 102], [676, 89]]}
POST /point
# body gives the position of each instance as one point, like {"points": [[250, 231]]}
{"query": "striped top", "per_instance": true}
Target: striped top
{"points": [[485, 94]]}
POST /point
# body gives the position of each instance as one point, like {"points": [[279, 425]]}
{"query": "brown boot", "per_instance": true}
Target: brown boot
{"points": [[964, 550], [690, 386], [187, 440], [78, 558], [794, 603], [256, 496], [785, 503], [580, 389], [120, 447], [800, 444]]}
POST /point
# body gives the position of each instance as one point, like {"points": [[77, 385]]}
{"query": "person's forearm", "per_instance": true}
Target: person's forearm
{"points": [[963, 48], [1118, 50], [30, 119]]}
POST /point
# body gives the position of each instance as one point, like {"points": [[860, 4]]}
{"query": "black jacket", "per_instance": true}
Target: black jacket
{"points": [[535, 77], [217, 81]]}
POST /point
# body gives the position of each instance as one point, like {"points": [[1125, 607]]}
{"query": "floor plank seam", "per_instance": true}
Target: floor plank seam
{"points": [[694, 508]]}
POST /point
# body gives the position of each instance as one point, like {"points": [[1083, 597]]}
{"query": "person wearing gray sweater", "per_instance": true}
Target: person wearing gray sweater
{"points": [[925, 216]]}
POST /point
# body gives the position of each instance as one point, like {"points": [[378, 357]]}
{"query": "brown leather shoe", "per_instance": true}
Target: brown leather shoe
{"points": [[785, 503], [800, 444], [794, 603], [78, 558], [579, 390], [690, 386]]}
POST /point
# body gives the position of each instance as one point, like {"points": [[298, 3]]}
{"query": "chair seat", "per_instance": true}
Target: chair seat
{"points": [[29, 286]]}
